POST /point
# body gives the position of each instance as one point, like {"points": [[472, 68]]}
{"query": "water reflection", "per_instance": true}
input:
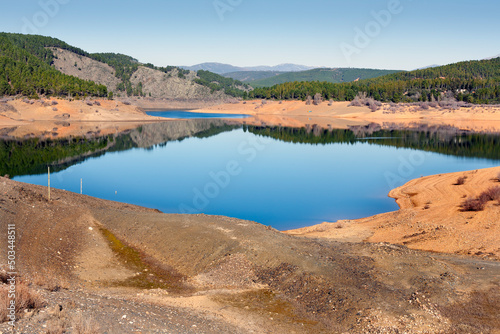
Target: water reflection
{"points": [[284, 177]]}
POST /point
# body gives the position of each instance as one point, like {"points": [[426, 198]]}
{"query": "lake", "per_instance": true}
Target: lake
{"points": [[283, 177]]}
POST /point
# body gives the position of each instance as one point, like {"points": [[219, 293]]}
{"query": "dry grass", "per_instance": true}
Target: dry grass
{"points": [[56, 326], [85, 325], [26, 299], [48, 282]]}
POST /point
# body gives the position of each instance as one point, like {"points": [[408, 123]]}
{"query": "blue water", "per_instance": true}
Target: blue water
{"points": [[239, 174], [180, 114]]}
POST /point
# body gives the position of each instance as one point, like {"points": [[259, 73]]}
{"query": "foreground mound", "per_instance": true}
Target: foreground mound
{"points": [[231, 275]]}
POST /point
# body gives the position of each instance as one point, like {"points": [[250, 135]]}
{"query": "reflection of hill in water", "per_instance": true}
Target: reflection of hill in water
{"points": [[157, 133], [444, 140], [32, 156]]}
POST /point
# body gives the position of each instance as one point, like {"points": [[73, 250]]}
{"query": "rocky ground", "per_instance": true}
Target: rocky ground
{"points": [[117, 268]]}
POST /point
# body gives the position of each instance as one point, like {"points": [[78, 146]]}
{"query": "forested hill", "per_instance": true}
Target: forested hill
{"points": [[470, 81], [26, 68]]}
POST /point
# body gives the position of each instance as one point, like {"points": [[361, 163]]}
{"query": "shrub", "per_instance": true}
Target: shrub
{"points": [[472, 204], [308, 100], [424, 105], [491, 194], [460, 180], [54, 103], [361, 100], [317, 99], [355, 103]]}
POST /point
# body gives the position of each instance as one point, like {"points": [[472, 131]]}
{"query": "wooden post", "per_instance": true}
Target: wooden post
{"points": [[81, 186], [49, 181]]}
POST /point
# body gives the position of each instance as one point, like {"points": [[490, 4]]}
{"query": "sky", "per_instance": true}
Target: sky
{"points": [[389, 34]]}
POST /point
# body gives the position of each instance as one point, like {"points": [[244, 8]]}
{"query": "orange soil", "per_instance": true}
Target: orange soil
{"points": [[429, 218], [69, 117]]}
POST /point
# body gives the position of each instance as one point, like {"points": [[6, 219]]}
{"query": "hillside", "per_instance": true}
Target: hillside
{"points": [[333, 75], [470, 81], [24, 71], [249, 76], [57, 68], [128, 269]]}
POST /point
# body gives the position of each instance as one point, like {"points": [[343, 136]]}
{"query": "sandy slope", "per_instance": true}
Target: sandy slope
{"points": [[429, 218], [59, 118], [340, 115]]}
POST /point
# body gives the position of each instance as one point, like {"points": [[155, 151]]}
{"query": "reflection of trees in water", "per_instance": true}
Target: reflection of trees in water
{"points": [[33, 155], [440, 139]]}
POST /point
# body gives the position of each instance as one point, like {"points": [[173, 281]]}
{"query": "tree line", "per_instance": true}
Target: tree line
{"points": [[445, 141], [471, 81]]}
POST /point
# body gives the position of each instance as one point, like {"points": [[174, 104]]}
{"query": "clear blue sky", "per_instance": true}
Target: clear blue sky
{"points": [[269, 32]]}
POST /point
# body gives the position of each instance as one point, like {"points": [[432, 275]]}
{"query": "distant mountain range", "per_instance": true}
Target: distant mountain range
{"points": [[226, 68], [333, 75]]}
